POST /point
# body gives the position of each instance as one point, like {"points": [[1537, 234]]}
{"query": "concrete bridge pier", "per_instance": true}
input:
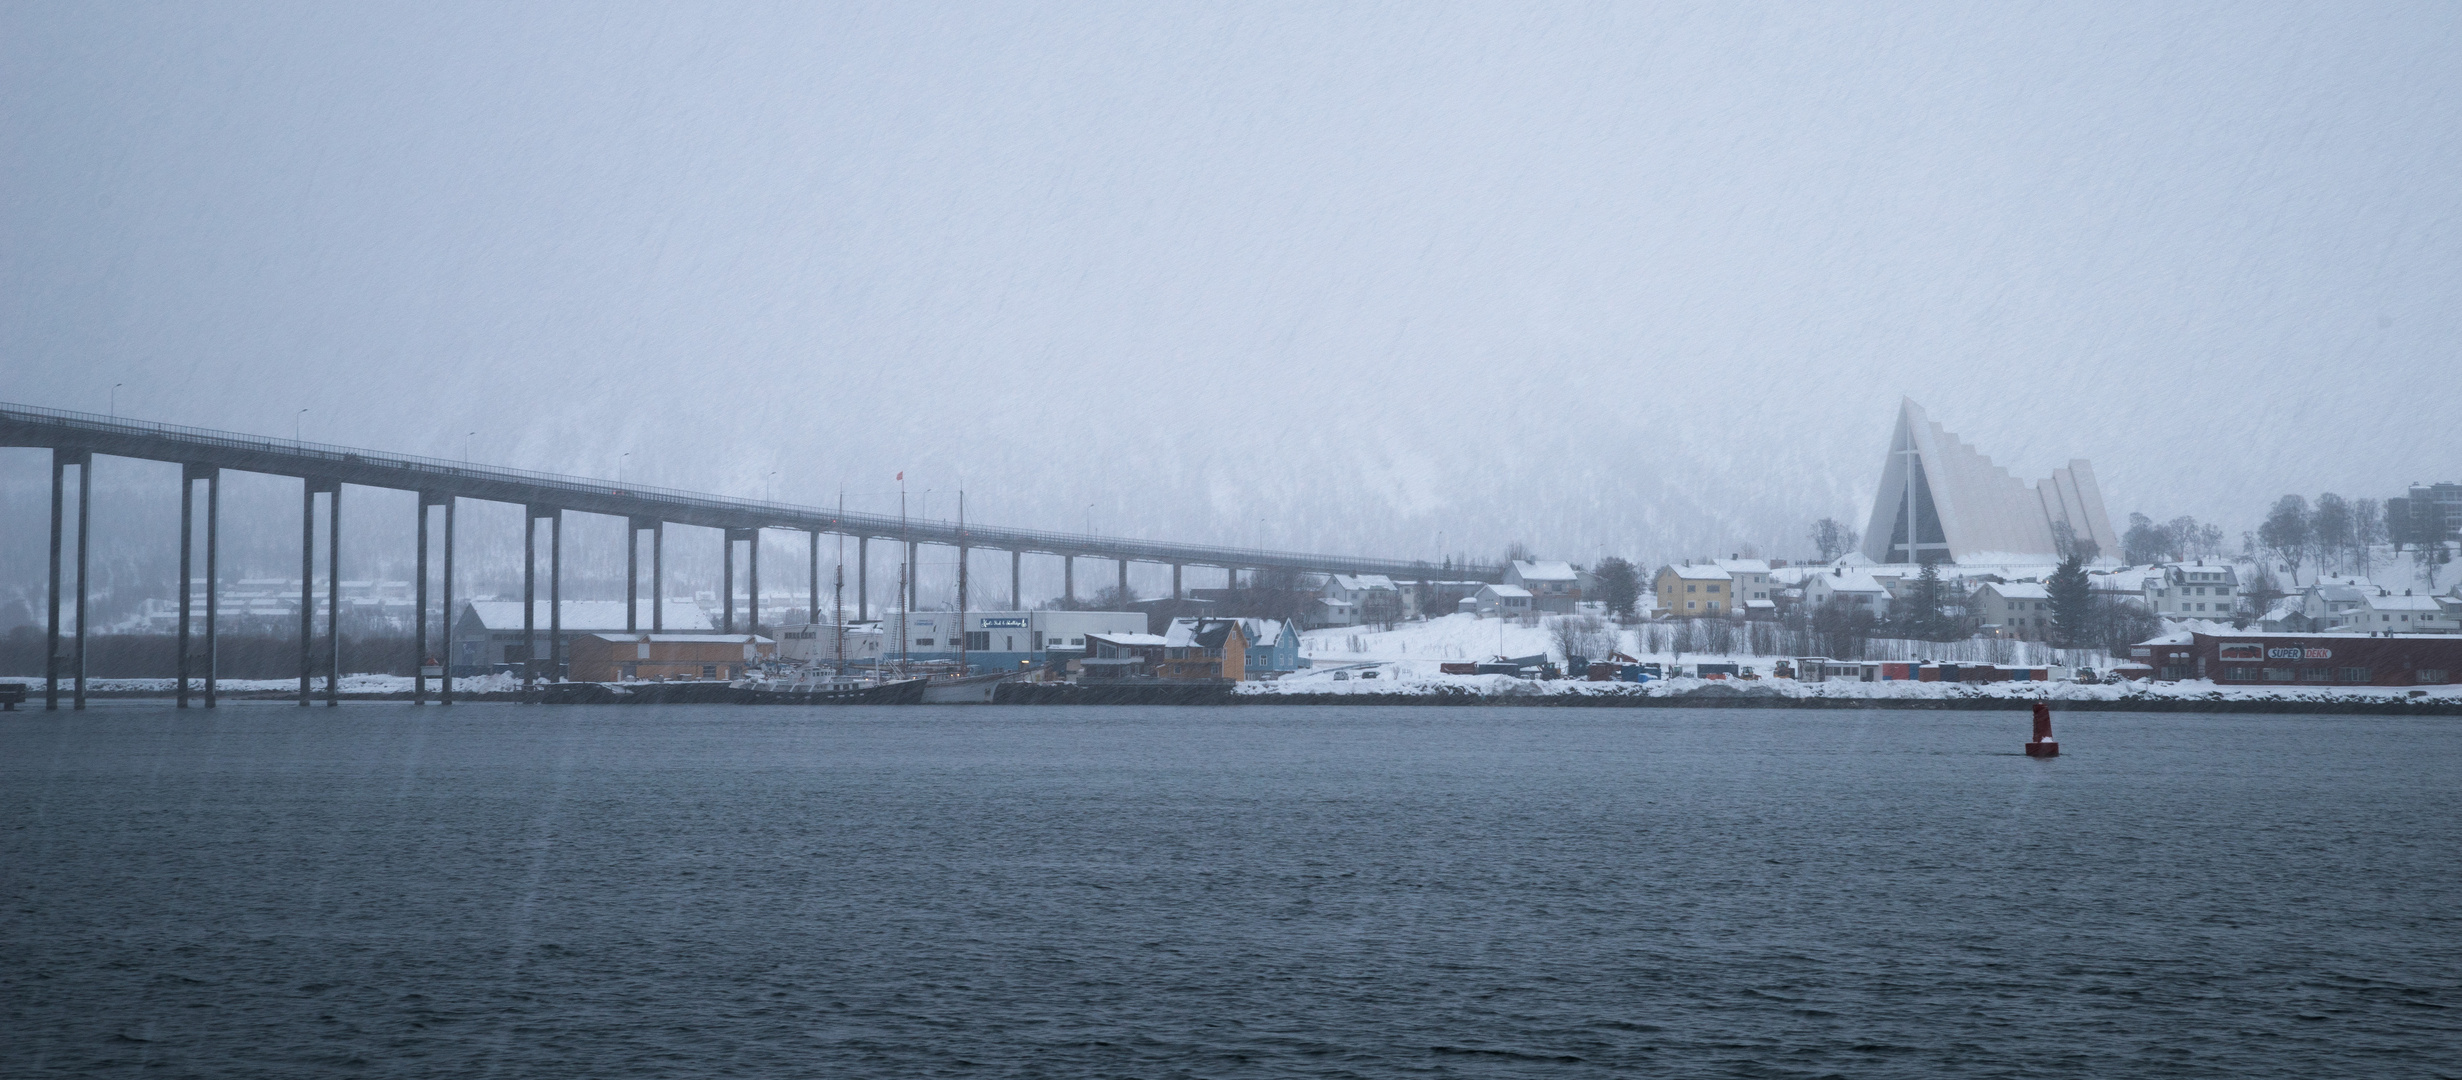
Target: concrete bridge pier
{"points": [[726, 583], [1175, 582], [1068, 577], [1015, 559], [658, 577], [443, 653], [812, 580], [555, 595], [444, 692], [914, 571], [307, 583], [189, 475], [333, 595], [1124, 580], [60, 461], [213, 578], [419, 650], [752, 579], [863, 579]]}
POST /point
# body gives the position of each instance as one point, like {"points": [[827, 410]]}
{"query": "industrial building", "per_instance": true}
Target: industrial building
{"points": [[665, 657], [2259, 659], [487, 636], [1001, 640]]}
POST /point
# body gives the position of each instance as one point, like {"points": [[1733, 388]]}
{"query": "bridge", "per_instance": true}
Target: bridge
{"points": [[74, 438]]}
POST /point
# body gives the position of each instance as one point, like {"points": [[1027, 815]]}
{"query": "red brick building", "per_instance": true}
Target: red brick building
{"points": [[2305, 659]]}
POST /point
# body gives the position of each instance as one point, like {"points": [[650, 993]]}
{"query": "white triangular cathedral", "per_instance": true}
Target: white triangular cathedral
{"points": [[1942, 500]]}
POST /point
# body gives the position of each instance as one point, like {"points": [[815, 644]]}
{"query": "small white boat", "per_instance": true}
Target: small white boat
{"points": [[964, 689]]}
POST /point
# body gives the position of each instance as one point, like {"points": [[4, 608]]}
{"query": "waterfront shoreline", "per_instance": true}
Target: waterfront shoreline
{"points": [[1222, 696]]}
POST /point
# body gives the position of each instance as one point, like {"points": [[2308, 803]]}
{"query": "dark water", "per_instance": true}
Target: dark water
{"points": [[521, 892]]}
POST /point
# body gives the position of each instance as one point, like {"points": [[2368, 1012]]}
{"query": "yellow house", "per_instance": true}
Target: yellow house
{"points": [[1689, 591], [1204, 649]]}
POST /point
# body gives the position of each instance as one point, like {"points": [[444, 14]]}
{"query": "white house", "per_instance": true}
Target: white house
{"points": [[1751, 586], [2018, 609], [1351, 599], [1853, 588], [1553, 586], [1502, 600], [2192, 591], [2385, 611]]}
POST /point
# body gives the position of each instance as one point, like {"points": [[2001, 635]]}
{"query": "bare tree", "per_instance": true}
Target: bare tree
{"points": [[2329, 531], [2285, 533], [2367, 531], [1577, 635], [1832, 538]]}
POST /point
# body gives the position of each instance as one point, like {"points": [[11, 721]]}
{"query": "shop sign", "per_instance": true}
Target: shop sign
{"points": [[2289, 653]]}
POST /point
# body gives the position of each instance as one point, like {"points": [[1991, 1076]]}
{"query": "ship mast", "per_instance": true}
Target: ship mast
{"points": [[961, 582], [841, 590], [906, 566]]}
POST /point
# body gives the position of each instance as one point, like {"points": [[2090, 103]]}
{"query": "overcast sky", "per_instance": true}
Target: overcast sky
{"points": [[1643, 279]]}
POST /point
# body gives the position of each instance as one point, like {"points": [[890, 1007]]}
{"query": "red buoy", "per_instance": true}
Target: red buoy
{"points": [[2042, 745]]}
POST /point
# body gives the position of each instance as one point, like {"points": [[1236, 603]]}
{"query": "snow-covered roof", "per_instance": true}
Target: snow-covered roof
{"points": [[1848, 581], [1696, 572], [2127, 581], [588, 616], [1261, 631], [707, 639], [1544, 570], [1130, 639], [2176, 637], [2403, 603], [1361, 582], [1507, 591], [1795, 575], [1742, 566], [1757, 604], [2018, 590]]}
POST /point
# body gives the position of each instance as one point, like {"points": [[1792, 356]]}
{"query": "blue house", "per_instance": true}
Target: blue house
{"points": [[1276, 647]]}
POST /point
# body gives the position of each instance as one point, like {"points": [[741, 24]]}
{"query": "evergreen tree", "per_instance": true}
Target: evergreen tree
{"points": [[1619, 585], [2145, 543], [2072, 603], [1920, 617]]}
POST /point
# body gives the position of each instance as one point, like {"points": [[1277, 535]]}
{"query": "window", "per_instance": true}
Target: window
{"points": [[979, 639], [2314, 674], [1713, 588], [1691, 604], [2278, 674], [2432, 675], [2351, 674], [1692, 588], [709, 671], [2239, 674], [923, 641]]}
